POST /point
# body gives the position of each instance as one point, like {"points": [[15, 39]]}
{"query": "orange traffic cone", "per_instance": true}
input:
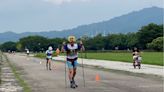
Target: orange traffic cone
{"points": [[97, 78]]}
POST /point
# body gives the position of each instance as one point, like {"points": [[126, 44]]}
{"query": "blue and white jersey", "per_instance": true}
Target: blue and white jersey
{"points": [[72, 51], [49, 54]]}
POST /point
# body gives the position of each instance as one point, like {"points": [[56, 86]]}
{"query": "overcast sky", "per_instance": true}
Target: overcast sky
{"points": [[46, 15]]}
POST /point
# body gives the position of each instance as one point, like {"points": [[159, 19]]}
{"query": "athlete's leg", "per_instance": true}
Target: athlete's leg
{"points": [[72, 83], [74, 72], [70, 74], [47, 63], [134, 61], [74, 69]]}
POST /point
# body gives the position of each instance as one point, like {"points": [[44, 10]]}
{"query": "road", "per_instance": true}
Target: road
{"points": [[33, 71]]}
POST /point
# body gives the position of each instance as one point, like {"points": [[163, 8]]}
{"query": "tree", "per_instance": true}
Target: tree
{"points": [[116, 40], [131, 40], [34, 43], [95, 43], [147, 33], [8, 46], [19, 46], [156, 44], [56, 42]]}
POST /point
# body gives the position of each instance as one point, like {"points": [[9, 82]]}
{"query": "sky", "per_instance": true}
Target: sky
{"points": [[56, 15]]}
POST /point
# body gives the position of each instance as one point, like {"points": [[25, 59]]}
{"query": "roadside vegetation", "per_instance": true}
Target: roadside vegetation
{"points": [[152, 58], [148, 38], [17, 75]]}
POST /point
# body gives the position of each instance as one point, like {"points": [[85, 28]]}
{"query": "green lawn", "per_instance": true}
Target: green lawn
{"points": [[40, 55], [154, 58]]}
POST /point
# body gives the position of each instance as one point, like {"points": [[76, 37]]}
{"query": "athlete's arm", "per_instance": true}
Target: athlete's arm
{"points": [[46, 52], [64, 47]]}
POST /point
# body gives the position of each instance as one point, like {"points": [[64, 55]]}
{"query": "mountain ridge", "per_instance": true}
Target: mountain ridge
{"points": [[130, 22]]}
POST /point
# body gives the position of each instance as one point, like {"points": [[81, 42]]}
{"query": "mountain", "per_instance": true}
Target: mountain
{"points": [[130, 22], [8, 36]]}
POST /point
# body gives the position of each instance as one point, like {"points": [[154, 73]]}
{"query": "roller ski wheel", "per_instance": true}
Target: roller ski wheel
{"points": [[76, 85], [73, 86]]}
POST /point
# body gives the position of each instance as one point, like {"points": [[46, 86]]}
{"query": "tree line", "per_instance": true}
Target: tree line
{"points": [[149, 37]]}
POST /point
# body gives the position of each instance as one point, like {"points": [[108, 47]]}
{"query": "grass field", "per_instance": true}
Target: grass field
{"points": [[154, 58]]}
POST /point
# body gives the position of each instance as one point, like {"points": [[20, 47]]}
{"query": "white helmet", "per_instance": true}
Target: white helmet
{"points": [[50, 48]]}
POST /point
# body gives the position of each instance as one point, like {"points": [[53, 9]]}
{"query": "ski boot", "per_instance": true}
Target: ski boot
{"points": [[72, 85]]}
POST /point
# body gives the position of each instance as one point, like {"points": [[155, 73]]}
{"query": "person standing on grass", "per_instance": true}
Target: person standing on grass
{"points": [[49, 53], [71, 49]]}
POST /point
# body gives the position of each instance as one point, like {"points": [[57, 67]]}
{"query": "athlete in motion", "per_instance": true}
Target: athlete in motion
{"points": [[136, 58], [49, 53], [71, 49]]}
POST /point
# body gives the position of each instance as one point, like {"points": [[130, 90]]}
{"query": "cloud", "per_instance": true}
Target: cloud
{"points": [[60, 2]]}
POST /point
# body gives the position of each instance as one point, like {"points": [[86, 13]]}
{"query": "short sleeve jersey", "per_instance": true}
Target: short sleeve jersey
{"points": [[72, 51], [49, 53]]}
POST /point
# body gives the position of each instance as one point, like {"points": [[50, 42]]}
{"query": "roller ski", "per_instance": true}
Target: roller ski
{"points": [[73, 85]]}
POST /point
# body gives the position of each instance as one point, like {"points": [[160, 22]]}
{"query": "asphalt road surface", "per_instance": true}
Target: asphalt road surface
{"points": [[33, 71]]}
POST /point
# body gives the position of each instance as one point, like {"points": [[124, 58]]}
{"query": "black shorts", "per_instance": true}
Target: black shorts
{"points": [[48, 59]]}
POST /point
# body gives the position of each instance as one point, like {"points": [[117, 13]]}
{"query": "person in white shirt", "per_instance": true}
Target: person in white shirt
{"points": [[71, 49], [49, 53], [27, 52]]}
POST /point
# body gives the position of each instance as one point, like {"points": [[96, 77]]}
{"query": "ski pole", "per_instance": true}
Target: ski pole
{"points": [[83, 68]]}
